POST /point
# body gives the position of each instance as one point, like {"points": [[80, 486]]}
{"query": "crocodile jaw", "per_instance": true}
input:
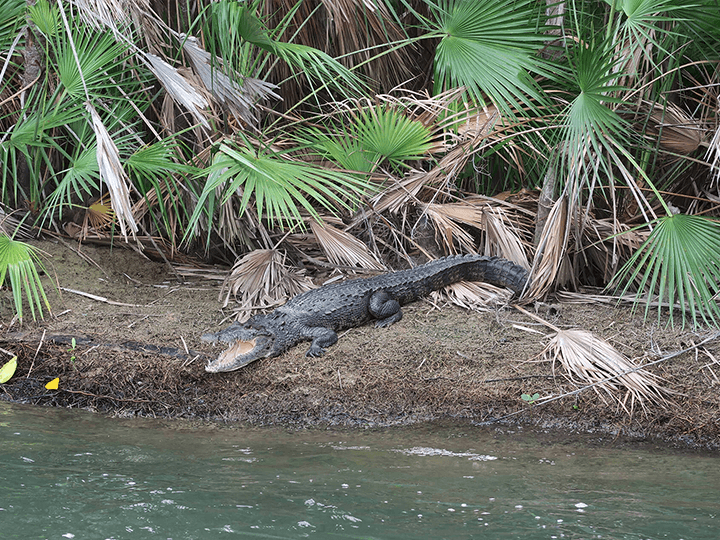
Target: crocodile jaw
{"points": [[245, 346], [239, 354]]}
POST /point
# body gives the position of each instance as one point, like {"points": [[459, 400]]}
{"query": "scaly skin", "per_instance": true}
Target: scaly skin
{"points": [[318, 315]]}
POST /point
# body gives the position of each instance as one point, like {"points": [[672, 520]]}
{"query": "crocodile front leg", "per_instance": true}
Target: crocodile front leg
{"points": [[384, 308], [322, 338]]}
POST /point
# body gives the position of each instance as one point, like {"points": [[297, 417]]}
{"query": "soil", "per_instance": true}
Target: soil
{"points": [[137, 352]]}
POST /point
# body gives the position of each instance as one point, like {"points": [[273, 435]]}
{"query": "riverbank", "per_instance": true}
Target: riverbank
{"points": [[137, 352]]}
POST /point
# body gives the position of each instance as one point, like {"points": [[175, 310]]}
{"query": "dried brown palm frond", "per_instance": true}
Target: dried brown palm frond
{"points": [[502, 239], [474, 123], [342, 248], [473, 127], [260, 280], [589, 360], [112, 14], [235, 228], [239, 94], [11, 226], [180, 88], [446, 218], [98, 220], [550, 264], [674, 128], [113, 175], [473, 295], [116, 15], [407, 189]]}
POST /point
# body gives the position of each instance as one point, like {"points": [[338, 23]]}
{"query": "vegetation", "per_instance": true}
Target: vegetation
{"points": [[577, 138]]}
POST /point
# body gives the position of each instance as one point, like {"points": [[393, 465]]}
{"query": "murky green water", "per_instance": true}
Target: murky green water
{"points": [[65, 474]]}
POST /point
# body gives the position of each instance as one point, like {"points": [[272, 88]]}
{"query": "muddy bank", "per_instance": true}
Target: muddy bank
{"points": [[137, 352]]}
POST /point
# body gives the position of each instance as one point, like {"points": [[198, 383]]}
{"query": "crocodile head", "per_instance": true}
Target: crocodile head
{"points": [[247, 344]]}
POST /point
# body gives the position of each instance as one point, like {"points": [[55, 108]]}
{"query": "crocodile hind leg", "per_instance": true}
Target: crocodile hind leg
{"points": [[384, 308], [321, 339]]}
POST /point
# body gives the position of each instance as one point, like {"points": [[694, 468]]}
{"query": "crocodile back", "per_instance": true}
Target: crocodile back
{"points": [[410, 285]]}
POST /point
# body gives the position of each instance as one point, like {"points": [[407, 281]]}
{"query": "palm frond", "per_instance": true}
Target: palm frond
{"points": [[238, 94], [447, 220], [679, 264], [501, 239], [77, 182], [550, 255], [405, 190], [157, 173], [674, 128], [473, 296], [589, 360], [18, 263], [343, 248], [87, 61], [261, 280], [278, 185], [99, 218], [113, 174], [489, 48], [13, 226], [180, 88], [372, 136], [238, 22]]}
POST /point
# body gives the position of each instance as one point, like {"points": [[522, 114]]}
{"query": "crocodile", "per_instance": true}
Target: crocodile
{"points": [[317, 315]]}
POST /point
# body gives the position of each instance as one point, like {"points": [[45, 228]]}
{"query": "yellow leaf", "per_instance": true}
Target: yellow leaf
{"points": [[53, 385], [8, 369]]}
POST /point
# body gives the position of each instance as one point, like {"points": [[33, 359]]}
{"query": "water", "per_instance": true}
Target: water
{"points": [[67, 474]]}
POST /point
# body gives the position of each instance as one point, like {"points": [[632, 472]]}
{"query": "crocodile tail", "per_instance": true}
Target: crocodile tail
{"points": [[503, 273]]}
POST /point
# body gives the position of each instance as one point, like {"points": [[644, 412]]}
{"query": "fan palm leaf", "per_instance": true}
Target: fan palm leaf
{"points": [[279, 186], [342, 248], [490, 48], [374, 135], [18, 262], [679, 263], [236, 23], [260, 279]]}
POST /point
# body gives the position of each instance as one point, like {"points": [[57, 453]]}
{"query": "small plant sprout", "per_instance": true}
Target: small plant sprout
{"points": [[73, 345], [530, 399]]}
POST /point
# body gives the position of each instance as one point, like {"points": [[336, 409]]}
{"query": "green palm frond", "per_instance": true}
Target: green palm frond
{"points": [[77, 182], [279, 186], [18, 262], [596, 147], [11, 19], [589, 120], [318, 66], [640, 20], [99, 56], [490, 48], [154, 170], [679, 264], [45, 17], [372, 136], [235, 24]]}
